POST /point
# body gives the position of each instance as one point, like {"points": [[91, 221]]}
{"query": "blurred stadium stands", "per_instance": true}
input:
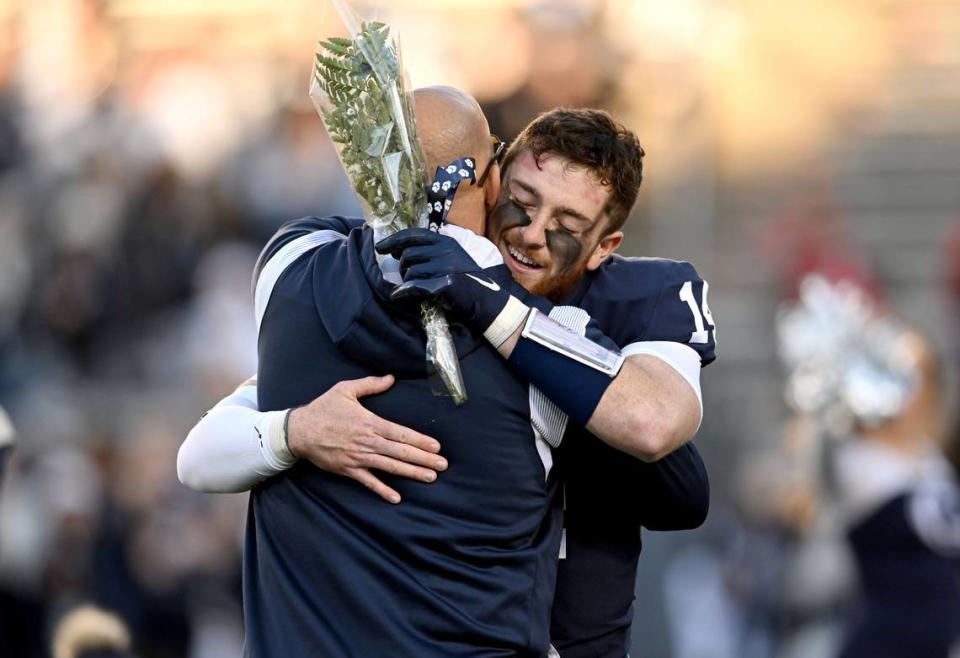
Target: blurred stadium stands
{"points": [[147, 150]]}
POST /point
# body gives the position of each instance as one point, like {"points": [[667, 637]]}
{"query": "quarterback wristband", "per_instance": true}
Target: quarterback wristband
{"points": [[506, 322], [572, 371]]}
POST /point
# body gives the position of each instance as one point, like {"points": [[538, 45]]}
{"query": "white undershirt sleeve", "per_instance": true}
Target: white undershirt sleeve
{"points": [[234, 446]]}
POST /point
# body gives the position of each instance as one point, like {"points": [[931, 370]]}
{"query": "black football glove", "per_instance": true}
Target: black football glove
{"points": [[436, 267]]}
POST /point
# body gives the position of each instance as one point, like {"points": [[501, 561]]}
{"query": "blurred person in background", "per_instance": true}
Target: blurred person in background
{"points": [[872, 389], [768, 575], [901, 504]]}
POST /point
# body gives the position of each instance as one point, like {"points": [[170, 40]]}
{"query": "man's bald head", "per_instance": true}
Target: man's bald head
{"points": [[451, 125]]}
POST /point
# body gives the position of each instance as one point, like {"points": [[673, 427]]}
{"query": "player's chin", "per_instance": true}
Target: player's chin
{"points": [[536, 282]]}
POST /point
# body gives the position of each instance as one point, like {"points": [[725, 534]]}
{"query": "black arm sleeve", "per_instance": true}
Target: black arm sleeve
{"points": [[674, 492]]}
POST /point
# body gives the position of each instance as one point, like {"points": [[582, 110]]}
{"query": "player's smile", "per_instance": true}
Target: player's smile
{"points": [[519, 261]]}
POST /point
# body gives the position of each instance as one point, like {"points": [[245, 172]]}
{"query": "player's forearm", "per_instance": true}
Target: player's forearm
{"points": [[234, 446], [646, 410]]}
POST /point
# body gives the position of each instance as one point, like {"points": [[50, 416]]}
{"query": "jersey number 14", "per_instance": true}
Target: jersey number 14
{"points": [[702, 333]]}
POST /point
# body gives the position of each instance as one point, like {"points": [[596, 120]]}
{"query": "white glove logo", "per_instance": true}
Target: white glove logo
{"points": [[492, 285]]}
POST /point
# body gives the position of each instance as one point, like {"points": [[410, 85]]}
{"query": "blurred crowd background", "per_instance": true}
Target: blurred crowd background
{"points": [[148, 149]]}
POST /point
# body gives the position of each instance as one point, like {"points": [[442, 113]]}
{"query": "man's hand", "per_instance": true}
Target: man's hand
{"points": [[435, 266], [337, 434]]}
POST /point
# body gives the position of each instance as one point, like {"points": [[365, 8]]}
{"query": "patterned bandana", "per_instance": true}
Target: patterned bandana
{"points": [[445, 183]]}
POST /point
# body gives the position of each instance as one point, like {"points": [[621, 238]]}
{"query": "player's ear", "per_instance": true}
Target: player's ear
{"points": [[607, 245]]}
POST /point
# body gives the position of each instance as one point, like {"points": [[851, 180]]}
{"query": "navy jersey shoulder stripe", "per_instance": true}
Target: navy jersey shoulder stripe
{"points": [[282, 258], [297, 228]]}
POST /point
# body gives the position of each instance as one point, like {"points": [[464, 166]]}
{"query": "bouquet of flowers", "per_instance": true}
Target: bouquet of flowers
{"points": [[360, 90]]}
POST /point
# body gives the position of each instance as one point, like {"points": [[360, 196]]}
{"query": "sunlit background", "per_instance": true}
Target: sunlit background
{"points": [[149, 148]]}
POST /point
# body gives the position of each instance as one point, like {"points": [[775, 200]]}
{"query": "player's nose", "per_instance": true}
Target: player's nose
{"points": [[534, 234]]}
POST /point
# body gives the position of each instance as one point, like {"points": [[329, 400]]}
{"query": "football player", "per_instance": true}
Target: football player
{"points": [[556, 222]]}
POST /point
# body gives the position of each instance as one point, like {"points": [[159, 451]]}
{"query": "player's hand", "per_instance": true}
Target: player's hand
{"points": [[435, 266], [337, 434], [426, 254]]}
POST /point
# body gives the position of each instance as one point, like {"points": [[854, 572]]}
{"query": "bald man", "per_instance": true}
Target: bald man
{"points": [[466, 566]]}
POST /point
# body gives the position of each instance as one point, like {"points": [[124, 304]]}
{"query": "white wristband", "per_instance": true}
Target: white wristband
{"points": [[273, 441], [507, 322]]}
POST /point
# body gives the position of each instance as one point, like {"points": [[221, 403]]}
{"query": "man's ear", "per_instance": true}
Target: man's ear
{"points": [[607, 245], [491, 188]]}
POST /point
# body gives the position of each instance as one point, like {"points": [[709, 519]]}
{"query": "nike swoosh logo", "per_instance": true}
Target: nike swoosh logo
{"points": [[492, 285]]}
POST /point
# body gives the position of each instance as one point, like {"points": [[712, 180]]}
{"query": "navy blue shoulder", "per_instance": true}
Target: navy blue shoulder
{"points": [[296, 228], [651, 299], [636, 279]]}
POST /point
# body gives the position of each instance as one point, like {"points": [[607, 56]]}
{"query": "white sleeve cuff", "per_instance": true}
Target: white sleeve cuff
{"points": [[682, 358], [507, 322], [272, 424], [276, 453]]}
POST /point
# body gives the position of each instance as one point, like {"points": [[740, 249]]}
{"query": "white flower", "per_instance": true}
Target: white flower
{"points": [[464, 173], [469, 162], [437, 206], [450, 169], [436, 187], [446, 204], [445, 186]]}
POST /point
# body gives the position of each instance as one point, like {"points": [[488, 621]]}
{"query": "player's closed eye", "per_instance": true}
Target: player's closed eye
{"points": [[526, 207], [569, 227]]}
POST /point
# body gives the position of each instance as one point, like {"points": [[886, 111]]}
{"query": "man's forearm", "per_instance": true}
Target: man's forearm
{"points": [[647, 410], [235, 446]]}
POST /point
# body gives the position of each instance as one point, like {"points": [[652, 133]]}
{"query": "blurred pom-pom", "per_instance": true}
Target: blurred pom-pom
{"points": [[845, 358]]}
